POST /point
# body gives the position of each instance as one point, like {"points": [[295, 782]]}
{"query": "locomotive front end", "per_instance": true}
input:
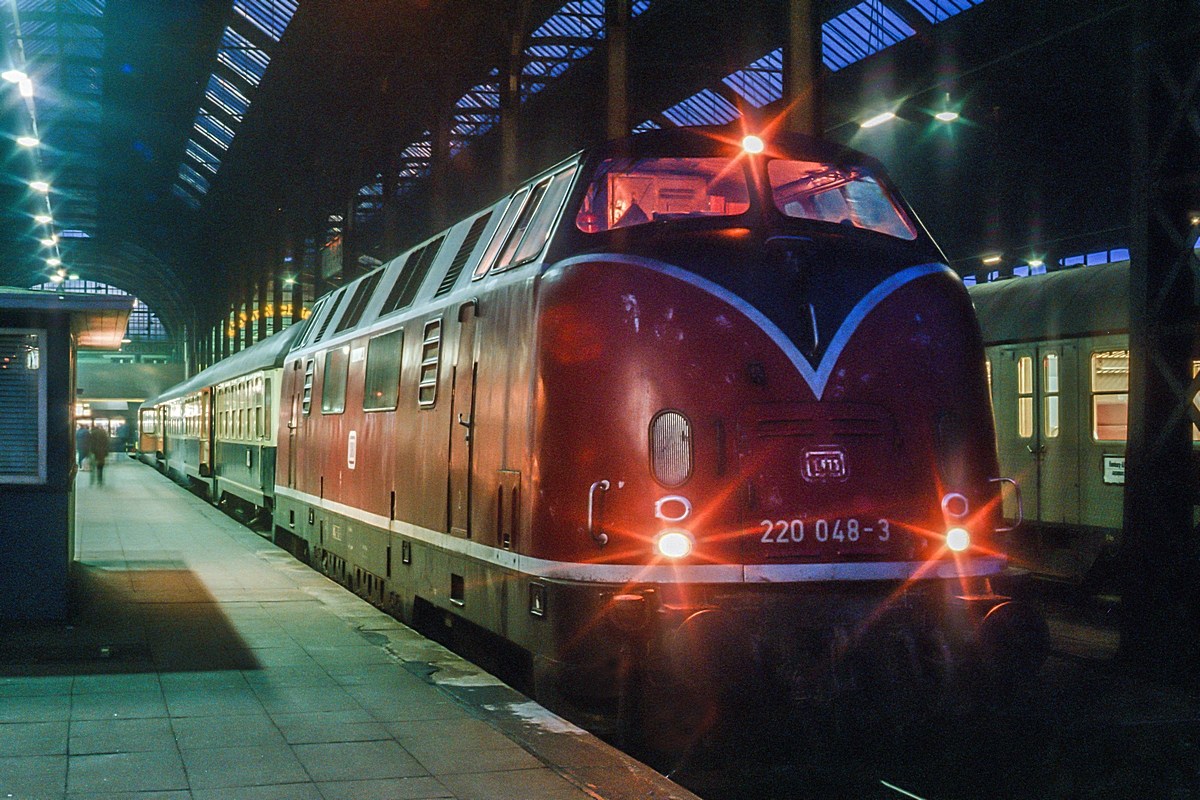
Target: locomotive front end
{"points": [[763, 436]]}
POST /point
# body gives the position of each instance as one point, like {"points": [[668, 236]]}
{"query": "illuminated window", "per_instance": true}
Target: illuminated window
{"points": [[1110, 395], [1025, 397], [836, 194], [1050, 421]]}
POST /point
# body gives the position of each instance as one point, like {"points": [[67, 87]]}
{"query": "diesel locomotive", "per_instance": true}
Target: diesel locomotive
{"points": [[681, 403]]}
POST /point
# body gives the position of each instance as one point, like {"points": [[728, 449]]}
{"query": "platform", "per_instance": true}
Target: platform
{"points": [[206, 663]]}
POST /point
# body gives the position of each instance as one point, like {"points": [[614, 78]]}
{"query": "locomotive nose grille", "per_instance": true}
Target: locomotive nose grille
{"points": [[671, 448]]}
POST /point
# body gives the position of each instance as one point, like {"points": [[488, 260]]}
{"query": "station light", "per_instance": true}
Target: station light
{"points": [[56, 278], [53, 262], [753, 145], [946, 116], [878, 119], [27, 141], [44, 219], [1036, 262], [50, 241], [74, 276], [989, 260], [25, 86], [288, 281], [14, 76], [958, 539], [39, 186]]}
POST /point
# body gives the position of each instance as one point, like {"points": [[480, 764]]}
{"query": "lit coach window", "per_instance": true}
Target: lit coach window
{"points": [[671, 448]]}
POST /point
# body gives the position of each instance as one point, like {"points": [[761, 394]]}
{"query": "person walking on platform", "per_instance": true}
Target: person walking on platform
{"points": [[82, 445], [98, 443]]}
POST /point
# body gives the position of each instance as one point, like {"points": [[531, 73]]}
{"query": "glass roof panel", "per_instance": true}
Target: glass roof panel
{"points": [[225, 96], [648, 125], [213, 129], [203, 157], [184, 195], [761, 82], [193, 178], [706, 107], [242, 57], [857, 33], [269, 16], [941, 10]]}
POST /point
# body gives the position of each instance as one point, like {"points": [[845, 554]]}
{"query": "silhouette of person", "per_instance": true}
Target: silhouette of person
{"points": [[82, 446], [98, 444], [634, 215]]}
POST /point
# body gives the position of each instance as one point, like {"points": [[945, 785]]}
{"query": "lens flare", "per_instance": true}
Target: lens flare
{"points": [[958, 539], [752, 144], [673, 544]]}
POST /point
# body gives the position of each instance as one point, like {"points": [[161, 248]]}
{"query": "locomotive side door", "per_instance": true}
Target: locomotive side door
{"points": [[294, 417], [1058, 434], [462, 425]]}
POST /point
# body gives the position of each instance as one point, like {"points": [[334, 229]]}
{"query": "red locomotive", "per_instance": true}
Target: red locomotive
{"points": [[672, 403]]}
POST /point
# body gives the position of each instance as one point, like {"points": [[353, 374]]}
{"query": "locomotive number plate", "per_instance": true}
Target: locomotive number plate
{"points": [[836, 529]]}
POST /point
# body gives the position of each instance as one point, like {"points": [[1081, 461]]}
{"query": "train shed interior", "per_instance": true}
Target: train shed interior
{"points": [[228, 163]]}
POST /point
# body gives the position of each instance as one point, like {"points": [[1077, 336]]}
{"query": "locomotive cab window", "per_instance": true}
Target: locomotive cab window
{"points": [[626, 192], [333, 382], [843, 195]]}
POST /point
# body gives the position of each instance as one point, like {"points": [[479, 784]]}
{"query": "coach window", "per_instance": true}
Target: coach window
{"points": [[258, 408], [431, 349], [1025, 397], [381, 390], [267, 409], [1050, 423], [333, 384], [1110, 395]]}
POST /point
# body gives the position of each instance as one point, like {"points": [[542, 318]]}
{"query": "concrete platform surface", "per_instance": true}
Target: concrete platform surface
{"points": [[205, 663]]}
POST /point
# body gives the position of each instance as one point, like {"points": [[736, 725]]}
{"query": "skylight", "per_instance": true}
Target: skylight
{"points": [[242, 57], [648, 125], [184, 195], [203, 157], [269, 16], [865, 29], [760, 83], [225, 96], [706, 107], [193, 178], [941, 10], [213, 129]]}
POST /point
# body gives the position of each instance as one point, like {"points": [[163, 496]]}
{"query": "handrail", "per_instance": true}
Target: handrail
{"points": [[1020, 510], [599, 538]]}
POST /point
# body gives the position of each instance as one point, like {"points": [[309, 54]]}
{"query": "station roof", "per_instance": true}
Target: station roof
{"points": [[180, 139], [98, 321]]}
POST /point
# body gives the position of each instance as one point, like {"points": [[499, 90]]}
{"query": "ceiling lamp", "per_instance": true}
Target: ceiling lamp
{"points": [[878, 119], [40, 186], [993, 259], [73, 276], [946, 116], [14, 76], [27, 141], [53, 262], [1036, 262], [26, 87], [43, 219], [56, 278], [50, 241]]}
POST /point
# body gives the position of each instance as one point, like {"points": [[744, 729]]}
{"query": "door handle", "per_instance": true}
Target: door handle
{"points": [[599, 538], [464, 421]]}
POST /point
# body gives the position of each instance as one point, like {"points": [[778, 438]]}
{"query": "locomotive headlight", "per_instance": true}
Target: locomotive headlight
{"points": [[958, 539], [674, 543], [753, 145]]}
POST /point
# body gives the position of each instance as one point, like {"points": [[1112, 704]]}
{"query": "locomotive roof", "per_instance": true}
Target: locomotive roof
{"points": [[268, 353], [1058, 305]]}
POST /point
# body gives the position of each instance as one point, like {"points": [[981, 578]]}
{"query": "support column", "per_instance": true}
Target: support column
{"points": [[279, 273], [439, 165], [801, 68], [1159, 548], [510, 94], [616, 35], [247, 308], [263, 285]]}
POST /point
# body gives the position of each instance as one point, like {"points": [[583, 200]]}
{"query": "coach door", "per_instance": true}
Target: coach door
{"points": [[462, 424], [1047, 429]]}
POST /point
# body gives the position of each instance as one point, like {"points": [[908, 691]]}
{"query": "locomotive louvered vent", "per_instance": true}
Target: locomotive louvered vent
{"points": [[671, 448], [358, 303], [409, 281], [21, 444], [337, 301], [464, 252]]}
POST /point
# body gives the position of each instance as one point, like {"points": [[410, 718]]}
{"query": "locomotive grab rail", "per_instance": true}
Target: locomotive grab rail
{"points": [[1020, 511], [599, 538]]}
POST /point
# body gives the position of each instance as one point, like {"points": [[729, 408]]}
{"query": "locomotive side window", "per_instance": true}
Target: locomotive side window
{"points": [[431, 350], [382, 386], [539, 229], [333, 384], [1025, 397], [358, 303], [625, 192], [500, 235], [1110, 395], [337, 301], [306, 403], [1050, 422], [844, 195], [409, 281]]}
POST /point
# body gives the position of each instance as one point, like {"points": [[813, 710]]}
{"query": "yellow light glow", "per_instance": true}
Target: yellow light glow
{"points": [[991, 259], [878, 119], [1036, 262], [673, 543], [753, 144], [56, 278], [958, 539]]}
